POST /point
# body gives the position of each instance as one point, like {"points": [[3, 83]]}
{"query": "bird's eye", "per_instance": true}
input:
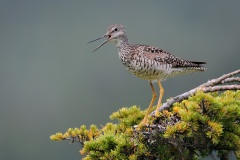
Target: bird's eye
{"points": [[116, 29]]}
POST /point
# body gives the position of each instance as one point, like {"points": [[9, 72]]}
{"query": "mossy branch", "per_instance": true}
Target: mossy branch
{"points": [[190, 125]]}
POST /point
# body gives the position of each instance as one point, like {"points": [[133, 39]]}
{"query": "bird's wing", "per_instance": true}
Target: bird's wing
{"points": [[164, 57], [156, 54]]}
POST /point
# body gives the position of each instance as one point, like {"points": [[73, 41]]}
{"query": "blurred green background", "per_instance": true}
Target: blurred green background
{"points": [[50, 80]]}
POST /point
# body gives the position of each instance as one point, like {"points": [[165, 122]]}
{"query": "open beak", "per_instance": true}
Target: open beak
{"points": [[108, 38]]}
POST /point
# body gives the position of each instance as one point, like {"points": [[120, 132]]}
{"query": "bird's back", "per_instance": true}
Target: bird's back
{"points": [[152, 63]]}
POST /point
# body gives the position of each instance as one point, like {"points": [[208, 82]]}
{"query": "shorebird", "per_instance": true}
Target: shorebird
{"points": [[148, 62]]}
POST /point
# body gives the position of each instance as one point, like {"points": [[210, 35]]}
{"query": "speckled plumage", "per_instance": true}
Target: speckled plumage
{"points": [[148, 62], [151, 63]]}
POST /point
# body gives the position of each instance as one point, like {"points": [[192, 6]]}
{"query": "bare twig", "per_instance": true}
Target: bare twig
{"points": [[221, 88], [232, 79], [220, 79]]}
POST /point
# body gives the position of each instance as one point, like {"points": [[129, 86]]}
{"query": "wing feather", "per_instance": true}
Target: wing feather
{"points": [[162, 56]]}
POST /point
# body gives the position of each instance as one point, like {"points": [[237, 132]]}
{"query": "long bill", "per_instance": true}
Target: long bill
{"points": [[100, 44]]}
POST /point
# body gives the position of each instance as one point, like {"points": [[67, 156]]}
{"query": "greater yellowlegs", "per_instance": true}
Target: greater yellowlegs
{"points": [[148, 62]]}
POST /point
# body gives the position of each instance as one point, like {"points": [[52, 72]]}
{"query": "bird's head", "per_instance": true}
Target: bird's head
{"points": [[114, 33]]}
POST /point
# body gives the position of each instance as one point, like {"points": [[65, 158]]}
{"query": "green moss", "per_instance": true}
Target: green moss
{"points": [[211, 116], [206, 122]]}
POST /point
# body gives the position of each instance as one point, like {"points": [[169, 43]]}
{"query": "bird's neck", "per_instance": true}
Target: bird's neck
{"points": [[124, 48], [122, 42]]}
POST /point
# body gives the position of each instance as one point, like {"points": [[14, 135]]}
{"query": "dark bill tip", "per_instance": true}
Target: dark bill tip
{"points": [[96, 39], [100, 45]]}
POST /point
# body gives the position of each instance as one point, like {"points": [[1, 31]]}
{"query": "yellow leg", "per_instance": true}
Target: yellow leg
{"points": [[161, 91], [154, 95]]}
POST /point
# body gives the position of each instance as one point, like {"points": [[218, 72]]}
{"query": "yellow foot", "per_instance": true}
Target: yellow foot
{"points": [[157, 114], [142, 124]]}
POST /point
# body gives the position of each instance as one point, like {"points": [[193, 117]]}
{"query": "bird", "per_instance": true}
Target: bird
{"points": [[148, 62]]}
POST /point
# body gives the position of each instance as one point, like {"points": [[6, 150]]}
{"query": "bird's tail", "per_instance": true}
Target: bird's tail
{"points": [[194, 65]]}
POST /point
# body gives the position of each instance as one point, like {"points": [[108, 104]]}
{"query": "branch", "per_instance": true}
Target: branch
{"points": [[221, 88], [220, 79], [210, 86], [233, 79]]}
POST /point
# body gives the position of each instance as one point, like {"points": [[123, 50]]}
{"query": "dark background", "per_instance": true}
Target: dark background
{"points": [[50, 80]]}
